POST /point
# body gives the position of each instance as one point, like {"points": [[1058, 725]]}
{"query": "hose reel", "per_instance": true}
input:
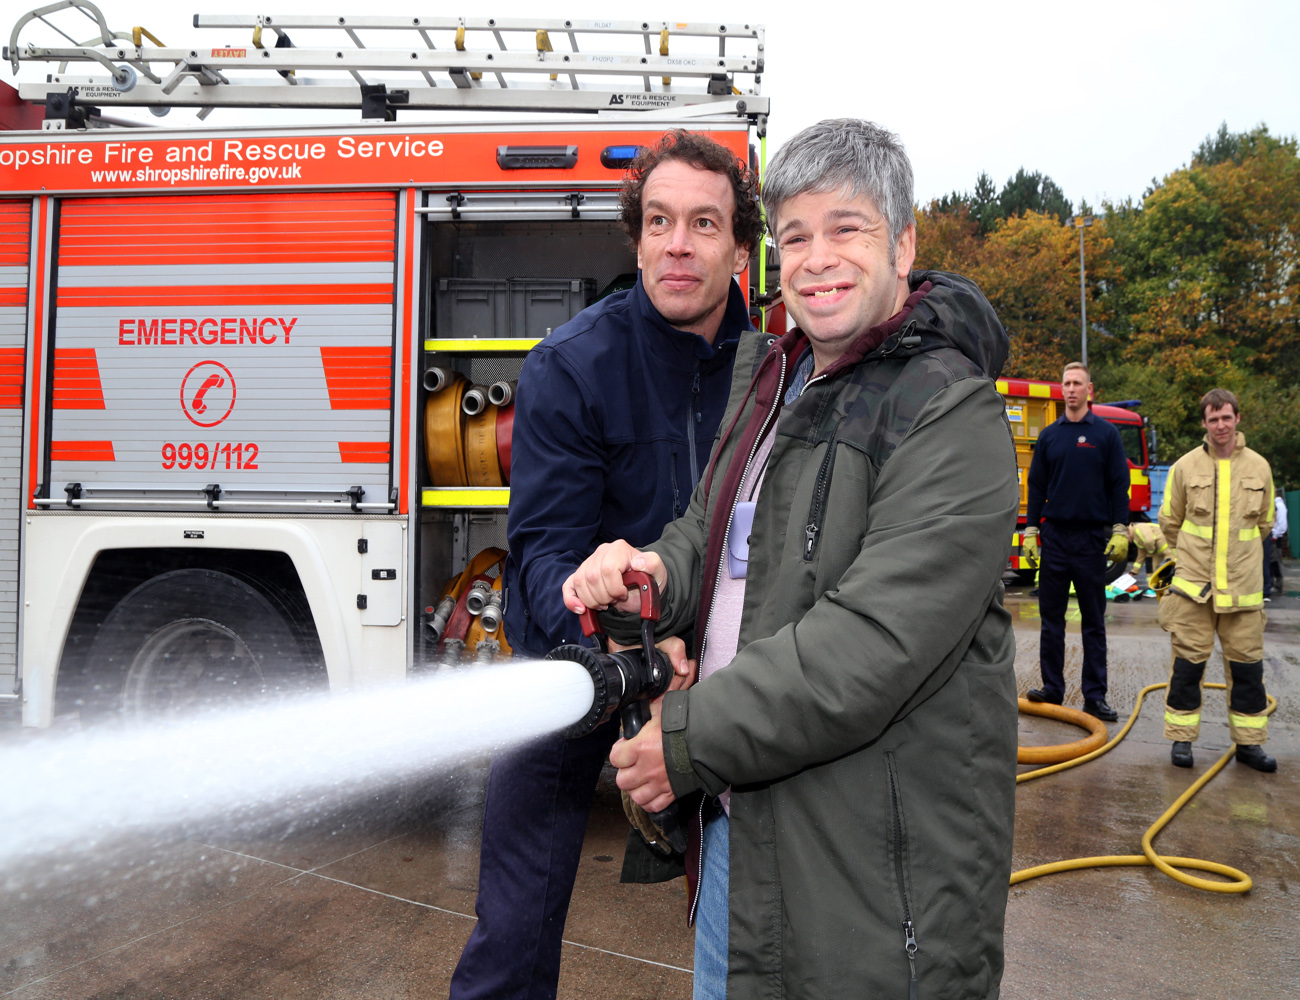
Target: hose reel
{"points": [[467, 430]]}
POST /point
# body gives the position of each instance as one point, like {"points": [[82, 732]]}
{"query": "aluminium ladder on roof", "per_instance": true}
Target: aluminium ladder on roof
{"points": [[380, 64]]}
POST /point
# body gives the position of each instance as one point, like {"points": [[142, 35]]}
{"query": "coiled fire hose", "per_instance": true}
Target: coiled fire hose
{"points": [[466, 430], [468, 614], [1073, 754]]}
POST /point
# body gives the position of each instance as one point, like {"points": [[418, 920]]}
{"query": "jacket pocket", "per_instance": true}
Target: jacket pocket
{"points": [[817, 508], [1200, 495], [902, 871], [1252, 498]]}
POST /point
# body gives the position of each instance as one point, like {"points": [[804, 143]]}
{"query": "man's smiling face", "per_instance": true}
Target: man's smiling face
{"points": [[838, 277]]}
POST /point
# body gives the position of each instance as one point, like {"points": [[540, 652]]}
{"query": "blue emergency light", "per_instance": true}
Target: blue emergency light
{"points": [[619, 157]]}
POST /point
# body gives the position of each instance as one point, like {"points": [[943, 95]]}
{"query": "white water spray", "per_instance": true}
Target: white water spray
{"points": [[78, 790]]}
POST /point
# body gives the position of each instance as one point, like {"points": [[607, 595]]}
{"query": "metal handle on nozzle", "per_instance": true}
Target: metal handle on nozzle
{"points": [[626, 682]]}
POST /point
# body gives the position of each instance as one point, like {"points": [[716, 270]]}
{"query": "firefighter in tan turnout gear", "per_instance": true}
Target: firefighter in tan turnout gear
{"points": [[1218, 503], [1150, 543]]}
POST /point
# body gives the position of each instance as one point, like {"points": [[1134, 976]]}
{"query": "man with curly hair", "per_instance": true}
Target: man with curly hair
{"points": [[615, 416]]}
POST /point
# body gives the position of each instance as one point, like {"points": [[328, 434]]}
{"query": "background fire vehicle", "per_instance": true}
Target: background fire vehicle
{"points": [[1032, 405], [256, 382]]}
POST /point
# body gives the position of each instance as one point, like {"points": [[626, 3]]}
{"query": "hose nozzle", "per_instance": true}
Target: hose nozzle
{"points": [[436, 379], [477, 598], [474, 401], [501, 393], [623, 682], [441, 615], [490, 619]]}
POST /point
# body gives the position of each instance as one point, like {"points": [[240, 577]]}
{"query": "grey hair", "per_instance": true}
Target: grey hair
{"points": [[848, 154]]}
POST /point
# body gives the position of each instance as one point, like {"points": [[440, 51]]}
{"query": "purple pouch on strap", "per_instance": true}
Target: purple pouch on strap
{"points": [[742, 522]]}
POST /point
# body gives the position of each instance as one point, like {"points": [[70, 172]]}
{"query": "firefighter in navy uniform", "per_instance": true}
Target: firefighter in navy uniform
{"points": [[1218, 503], [1078, 491]]}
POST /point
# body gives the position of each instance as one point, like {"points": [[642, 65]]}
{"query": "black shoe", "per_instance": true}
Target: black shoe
{"points": [[1254, 756], [1040, 695], [1100, 709], [1034, 592], [1181, 754]]}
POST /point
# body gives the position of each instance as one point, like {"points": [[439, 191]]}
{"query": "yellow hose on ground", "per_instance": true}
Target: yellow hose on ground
{"points": [[1062, 751], [1241, 882]]}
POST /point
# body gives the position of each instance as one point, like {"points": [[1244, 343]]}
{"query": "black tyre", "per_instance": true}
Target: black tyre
{"points": [[192, 639]]}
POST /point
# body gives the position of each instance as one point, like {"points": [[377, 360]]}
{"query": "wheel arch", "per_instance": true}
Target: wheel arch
{"points": [[66, 583]]}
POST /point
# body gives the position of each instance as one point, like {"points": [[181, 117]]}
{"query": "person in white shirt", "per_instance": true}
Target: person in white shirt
{"points": [[1279, 529]]}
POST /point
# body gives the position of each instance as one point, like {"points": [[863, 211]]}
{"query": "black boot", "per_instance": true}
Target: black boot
{"points": [[1100, 709], [1181, 754], [1254, 756], [1043, 695]]}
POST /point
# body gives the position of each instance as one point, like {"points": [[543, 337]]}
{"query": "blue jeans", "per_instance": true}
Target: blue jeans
{"points": [[712, 910]]}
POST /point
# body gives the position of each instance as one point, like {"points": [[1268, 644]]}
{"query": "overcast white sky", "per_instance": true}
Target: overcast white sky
{"points": [[1100, 96]]}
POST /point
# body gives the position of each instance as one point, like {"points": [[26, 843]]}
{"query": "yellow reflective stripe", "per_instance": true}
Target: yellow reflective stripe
{"points": [[1223, 600], [1186, 587], [1250, 600], [1224, 511], [1247, 534], [1167, 507], [1244, 721], [1174, 719], [1199, 530]]}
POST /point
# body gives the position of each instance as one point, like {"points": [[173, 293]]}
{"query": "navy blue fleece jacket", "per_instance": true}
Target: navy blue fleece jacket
{"points": [[1078, 474], [614, 420]]}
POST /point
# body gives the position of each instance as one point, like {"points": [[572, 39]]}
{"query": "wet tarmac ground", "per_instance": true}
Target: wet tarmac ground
{"points": [[376, 901]]}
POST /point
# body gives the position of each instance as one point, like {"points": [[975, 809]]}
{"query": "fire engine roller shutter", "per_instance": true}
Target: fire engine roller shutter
{"points": [[15, 247], [244, 340]]}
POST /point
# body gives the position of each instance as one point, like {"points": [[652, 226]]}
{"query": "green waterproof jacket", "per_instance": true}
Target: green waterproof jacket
{"points": [[867, 725]]}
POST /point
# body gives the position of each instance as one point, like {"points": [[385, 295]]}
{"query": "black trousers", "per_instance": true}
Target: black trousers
{"points": [[534, 821], [1268, 565], [1072, 555]]}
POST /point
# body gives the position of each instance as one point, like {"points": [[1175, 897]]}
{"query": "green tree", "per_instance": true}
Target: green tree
{"points": [[1033, 192]]}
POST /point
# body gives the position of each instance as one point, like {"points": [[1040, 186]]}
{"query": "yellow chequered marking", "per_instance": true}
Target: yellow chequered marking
{"points": [[1045, 391]]}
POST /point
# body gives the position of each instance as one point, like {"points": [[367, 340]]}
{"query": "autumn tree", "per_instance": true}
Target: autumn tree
{"points": [[1209, 291]]}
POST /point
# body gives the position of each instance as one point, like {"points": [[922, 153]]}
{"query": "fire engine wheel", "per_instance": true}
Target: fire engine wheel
{"points": [[189, 639]]}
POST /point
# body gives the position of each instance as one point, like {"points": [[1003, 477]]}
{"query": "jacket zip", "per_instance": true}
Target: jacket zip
{"points": [[817, 509], [699, 862], [909, 928], [692, 418], [672, 476], [740, 489]]}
